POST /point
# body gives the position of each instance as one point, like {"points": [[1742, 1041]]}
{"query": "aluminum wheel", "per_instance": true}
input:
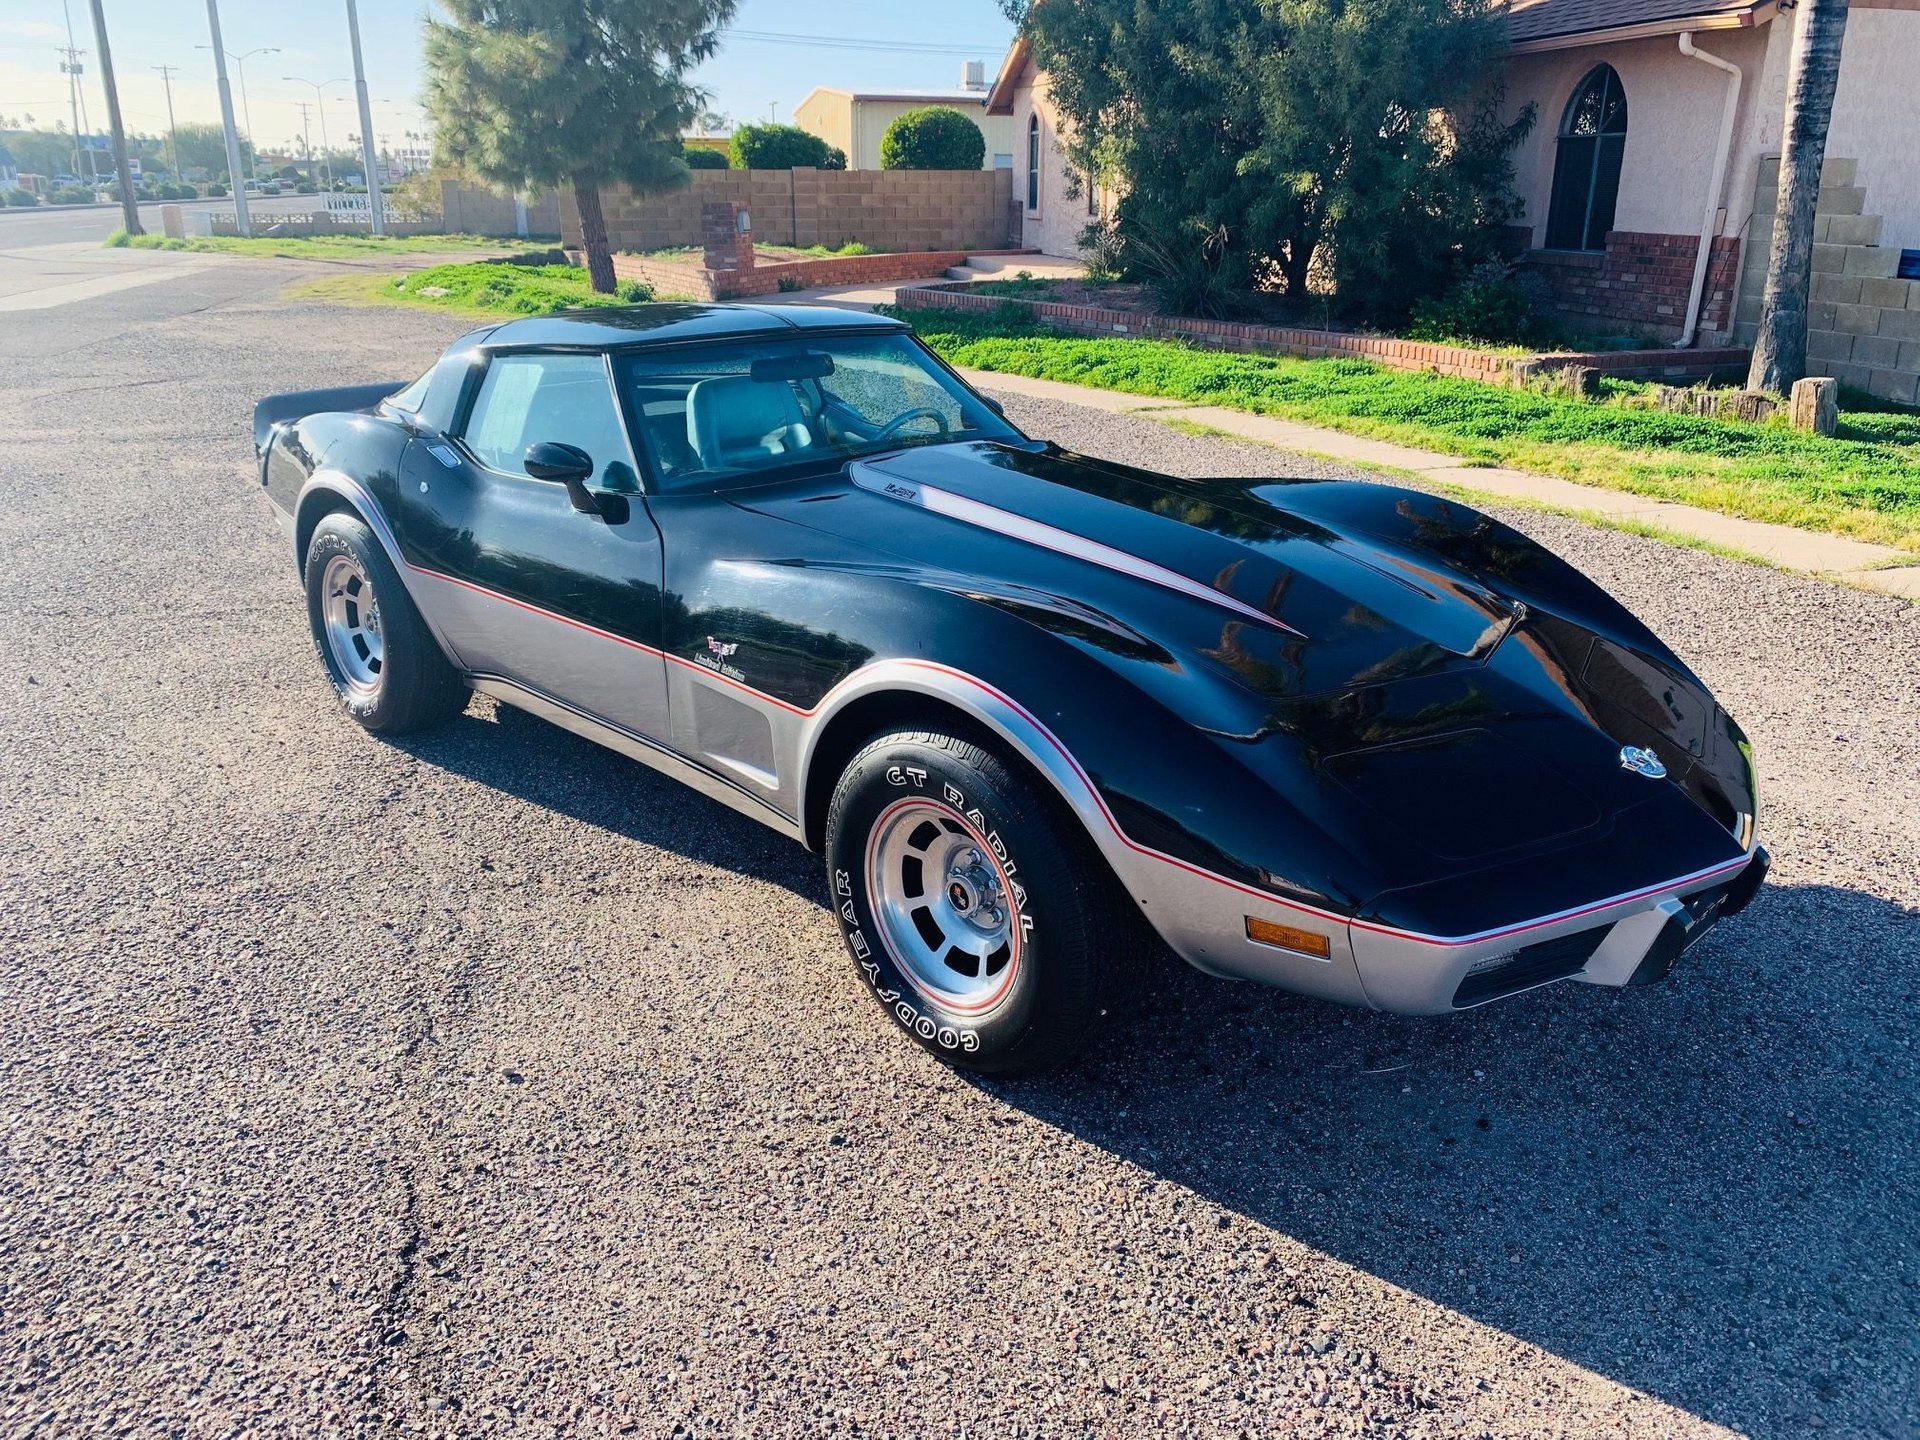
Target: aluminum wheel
{"points": [[350, 613], [942, 902]]}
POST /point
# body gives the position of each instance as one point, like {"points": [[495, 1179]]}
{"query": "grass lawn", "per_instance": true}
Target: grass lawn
{"points": [[479, 289], [1863, 482], [320, 247]]}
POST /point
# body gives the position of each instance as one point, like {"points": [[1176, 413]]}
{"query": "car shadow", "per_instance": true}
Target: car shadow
{"points": [[524, 756], [1701, 1190]]}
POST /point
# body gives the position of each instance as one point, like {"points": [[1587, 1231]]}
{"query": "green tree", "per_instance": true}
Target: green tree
{"points": [[781, 147], [40, 152], [204, 147], [534, 94], [932, 137], [1263, 142]]}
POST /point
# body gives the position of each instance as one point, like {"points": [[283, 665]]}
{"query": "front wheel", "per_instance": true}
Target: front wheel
{"points": [[385, 665], [978, 915]]}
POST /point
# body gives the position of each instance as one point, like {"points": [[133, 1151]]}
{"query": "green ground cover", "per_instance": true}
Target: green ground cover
{"points": [[1863, 482], [318, 247]]}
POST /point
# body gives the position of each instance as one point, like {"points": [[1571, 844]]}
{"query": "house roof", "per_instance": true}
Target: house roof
{"points": [[1012, 70], [1552, 24], [942, 97]]}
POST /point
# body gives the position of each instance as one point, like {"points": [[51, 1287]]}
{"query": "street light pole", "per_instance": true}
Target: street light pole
{"points": [[241, 221], [173, 137], [367, 157], [246, 108]]}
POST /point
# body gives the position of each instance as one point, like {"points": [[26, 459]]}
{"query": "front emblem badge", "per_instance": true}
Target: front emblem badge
{"points": [[1642, 762]]}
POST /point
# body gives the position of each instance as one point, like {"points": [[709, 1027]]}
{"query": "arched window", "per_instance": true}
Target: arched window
{"points": [[1033, 162], [1586, 163]]}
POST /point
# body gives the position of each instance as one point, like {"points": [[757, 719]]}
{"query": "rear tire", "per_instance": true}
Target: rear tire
{"points": [[976, 911], [386, 667]]}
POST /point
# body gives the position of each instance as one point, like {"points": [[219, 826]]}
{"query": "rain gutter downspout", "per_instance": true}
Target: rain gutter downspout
{"points": [[1710, 222]]}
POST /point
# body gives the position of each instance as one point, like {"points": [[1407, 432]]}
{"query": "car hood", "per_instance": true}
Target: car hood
{"points": [[1209, 571]]}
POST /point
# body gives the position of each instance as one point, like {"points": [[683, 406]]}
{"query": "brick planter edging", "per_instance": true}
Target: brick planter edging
{"points": [[1455, 360], [677, 278]]}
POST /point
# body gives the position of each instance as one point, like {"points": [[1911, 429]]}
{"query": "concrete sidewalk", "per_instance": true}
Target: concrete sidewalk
{"points": [[1832, 557]]}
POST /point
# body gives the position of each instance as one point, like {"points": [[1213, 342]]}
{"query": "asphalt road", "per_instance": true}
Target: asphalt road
{"points": [[56, 224], [488, 1084]]}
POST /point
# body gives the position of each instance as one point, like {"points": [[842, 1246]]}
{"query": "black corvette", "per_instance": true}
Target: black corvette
{"points": [[1344, 738]]}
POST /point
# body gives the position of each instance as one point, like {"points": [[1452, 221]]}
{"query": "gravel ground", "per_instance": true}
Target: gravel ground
{"points": [[488, 1084]]}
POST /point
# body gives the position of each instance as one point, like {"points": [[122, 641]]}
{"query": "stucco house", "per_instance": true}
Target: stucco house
{"points": [[1658, 130], [855, 120]]}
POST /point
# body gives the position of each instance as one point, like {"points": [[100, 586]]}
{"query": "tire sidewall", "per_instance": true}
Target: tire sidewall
{"points": [[338, 535], [904, 769]]}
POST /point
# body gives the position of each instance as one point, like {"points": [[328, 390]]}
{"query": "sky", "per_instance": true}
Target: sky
{"points": [[310, 36]]}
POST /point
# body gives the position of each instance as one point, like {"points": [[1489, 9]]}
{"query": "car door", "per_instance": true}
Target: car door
{"points": [[523, 585]]}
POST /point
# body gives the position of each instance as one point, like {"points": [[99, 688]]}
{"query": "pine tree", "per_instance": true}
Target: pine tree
{"points": [[533, 94]]}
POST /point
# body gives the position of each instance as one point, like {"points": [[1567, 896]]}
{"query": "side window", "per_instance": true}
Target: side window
{"points": [[527, 399]]}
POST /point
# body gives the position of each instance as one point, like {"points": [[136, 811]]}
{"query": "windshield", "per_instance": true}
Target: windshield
{"points": [[745, 408]]}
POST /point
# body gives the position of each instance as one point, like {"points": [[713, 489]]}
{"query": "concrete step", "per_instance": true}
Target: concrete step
{"points": [[962, 272]]}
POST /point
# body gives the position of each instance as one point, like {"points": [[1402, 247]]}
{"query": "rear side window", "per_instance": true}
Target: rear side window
{"points": [[409, 399], [527, 399]]}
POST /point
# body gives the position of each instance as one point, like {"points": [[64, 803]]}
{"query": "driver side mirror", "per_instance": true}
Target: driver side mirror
{"points": [[994, 405], [568, 464]]}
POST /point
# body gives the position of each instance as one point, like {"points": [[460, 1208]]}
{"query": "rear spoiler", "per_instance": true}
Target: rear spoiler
{"points": [[298, 404]]}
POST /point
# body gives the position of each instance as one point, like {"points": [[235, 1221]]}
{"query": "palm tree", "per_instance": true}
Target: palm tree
{"points": [[1813, 72]]}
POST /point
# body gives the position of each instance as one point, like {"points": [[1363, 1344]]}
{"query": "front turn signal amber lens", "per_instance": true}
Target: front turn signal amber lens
{"points": [[1285, 937]]}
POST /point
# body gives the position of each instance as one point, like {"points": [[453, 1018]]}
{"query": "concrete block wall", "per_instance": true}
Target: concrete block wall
{"points": [[898, 210], [1863, 321], [475, 210]]}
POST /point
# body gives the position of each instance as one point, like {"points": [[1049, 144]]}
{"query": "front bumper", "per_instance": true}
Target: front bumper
{"points": [[1633, 939]]}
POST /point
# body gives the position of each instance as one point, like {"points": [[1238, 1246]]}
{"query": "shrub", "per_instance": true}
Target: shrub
{"points": [[306, 187], [71, 195], [216, 191], [699, 157], [1493, 303], [932, 137], [22, 198], [779, 147]]}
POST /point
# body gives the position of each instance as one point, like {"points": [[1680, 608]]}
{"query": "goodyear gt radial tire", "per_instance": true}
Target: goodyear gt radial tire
{"points": [[977, 914], [385, 665]]}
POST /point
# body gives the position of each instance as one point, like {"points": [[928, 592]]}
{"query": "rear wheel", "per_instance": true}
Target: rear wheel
{"points": [[384, 663], [976, 911]]}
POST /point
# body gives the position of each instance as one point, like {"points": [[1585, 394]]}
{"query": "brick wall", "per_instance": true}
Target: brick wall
{"points": [[1640, 280], [1395, 354], [887, 209], [671, 278]]}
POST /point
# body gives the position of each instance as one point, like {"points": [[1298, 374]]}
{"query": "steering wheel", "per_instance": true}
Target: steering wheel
{"points": [[922, 412]]}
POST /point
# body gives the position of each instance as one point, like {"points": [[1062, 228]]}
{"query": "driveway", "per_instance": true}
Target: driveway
{"points": [[489, 1084]]}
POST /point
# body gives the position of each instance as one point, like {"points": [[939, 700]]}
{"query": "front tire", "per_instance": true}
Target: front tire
{"points": [[977, 913], [385, 665]]}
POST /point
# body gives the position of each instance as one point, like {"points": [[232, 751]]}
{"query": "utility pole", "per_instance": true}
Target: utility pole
{"points": [[173, 138], [319, 103], [235, 175], [129, 204], [70, 67], [306, 135], [77, 94], [367, 157]]}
